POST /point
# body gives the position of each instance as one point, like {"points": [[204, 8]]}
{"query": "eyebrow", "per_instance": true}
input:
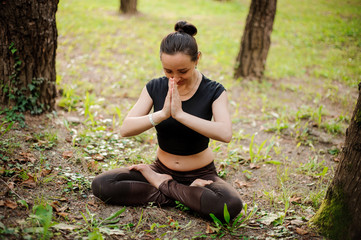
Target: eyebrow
{"points": [[183, 69]]}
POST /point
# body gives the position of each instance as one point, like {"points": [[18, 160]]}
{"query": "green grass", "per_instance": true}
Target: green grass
{"points": [[321, 39]]}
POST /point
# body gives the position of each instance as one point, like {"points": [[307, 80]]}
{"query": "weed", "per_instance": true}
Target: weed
{"points": [[69, 99], [181, 206], [334, 126], [257, 153], [96, 226], [3, 132], [75, 182], [42, 216], [281, 124], [228, 226], [313, 167], [45, 140]]}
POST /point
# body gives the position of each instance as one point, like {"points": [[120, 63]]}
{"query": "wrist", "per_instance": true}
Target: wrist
{"points": [[151, 120], [158, 117], [179, 115]]}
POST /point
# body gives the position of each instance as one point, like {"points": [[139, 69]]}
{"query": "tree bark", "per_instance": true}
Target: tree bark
{"points": [[128, 6], [256, 39], [339, 216], [28, 42]]}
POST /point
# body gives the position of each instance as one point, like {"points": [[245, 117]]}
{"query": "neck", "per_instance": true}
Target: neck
{"points": [[192, 85]]}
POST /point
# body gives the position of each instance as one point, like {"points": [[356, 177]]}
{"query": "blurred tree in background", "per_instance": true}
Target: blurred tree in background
{"points": [[128, 6], [256, 39]]}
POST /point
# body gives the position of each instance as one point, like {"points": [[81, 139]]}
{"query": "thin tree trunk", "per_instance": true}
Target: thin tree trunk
{"points": [[339, 216], [256, 39], [28, 39], [128, 6]]}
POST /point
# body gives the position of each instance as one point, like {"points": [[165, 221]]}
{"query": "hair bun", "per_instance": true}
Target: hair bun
{"points": [[183, 26]]}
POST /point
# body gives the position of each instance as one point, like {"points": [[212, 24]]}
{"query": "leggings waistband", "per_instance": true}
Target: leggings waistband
{"points": [[159, 167]]}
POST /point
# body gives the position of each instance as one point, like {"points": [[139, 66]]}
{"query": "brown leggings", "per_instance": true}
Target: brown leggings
{"points": [[123, 187]]}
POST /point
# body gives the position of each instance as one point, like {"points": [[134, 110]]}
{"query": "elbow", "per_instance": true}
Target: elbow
{"points": [[124, 132], [226, 137]]}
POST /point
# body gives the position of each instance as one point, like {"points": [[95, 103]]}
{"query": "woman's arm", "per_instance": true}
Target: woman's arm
{"points": [[220, 129], [137, 120]]}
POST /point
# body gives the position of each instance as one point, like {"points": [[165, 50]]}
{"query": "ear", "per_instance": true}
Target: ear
{"points": [[198, 57]]}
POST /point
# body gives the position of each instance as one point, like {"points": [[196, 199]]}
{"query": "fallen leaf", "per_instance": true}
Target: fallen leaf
{"points": [[241, 184], [46, 172], [295, 199], [28, 157], [110, 231], [11, 185], [64, 226], [301, 231], [254, 166], [98, 157], [30, 183], [297, 222], [67, 154], [93, 166], [222, 166], [2, 203], [11, 204], [269, 218], [63, 214], [92, 203], [55, 205], [210, 229]]}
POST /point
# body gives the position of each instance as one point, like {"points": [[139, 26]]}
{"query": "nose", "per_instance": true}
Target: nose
{"points": [[176, 77]]}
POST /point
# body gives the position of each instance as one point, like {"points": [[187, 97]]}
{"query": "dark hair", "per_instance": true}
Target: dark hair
{"points": [[181, 41]]}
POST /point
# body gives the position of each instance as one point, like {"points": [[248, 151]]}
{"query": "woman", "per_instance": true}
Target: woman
{"points": [[184, 102]]}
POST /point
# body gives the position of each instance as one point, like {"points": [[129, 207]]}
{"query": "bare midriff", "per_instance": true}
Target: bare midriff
{"points": [[185, 163]]}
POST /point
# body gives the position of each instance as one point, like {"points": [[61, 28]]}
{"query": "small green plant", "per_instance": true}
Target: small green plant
{"points": [[258, 153], [228, 226], [334, 126], [96, 226], [89, 101], [281, 124], [313, 167], [45, 140], [181, 206], [69, 100], [154, 227], [42, 216], [6, 129]]}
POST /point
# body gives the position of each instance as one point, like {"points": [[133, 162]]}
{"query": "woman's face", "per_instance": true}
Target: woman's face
{"points": [[178, 66]]}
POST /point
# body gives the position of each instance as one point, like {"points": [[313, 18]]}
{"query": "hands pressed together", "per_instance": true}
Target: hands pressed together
{"points": [[173, 104]]}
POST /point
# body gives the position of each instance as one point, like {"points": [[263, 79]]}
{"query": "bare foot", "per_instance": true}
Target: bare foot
{"points": [[200, 182], [153, 178]]}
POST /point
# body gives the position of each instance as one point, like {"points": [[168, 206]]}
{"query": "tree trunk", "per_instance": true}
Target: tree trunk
{"points": [[128, 6], [339, 216], [28, 42], [256, 39]]}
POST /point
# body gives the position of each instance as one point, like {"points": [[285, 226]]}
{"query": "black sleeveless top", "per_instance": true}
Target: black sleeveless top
{"points": [[174, 137]]}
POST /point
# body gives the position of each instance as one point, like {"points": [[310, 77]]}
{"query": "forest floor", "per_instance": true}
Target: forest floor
{"points": [[47, 167], [288, 128]]}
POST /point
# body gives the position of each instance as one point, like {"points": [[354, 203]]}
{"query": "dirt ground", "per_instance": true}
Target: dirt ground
{"points": [[36, 169]]}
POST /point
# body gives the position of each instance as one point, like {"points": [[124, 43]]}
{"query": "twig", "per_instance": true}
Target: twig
{"points": [[12, 190]]}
